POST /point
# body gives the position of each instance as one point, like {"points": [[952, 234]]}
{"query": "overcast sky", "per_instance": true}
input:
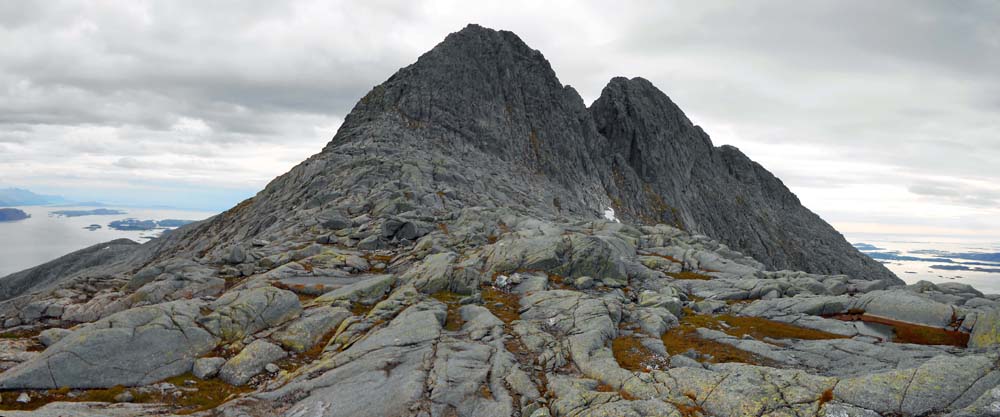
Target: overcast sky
{"points": [[881, 116]]}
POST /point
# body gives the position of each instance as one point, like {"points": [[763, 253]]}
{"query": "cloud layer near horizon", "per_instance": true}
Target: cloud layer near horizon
{"points": [[880, 116]]}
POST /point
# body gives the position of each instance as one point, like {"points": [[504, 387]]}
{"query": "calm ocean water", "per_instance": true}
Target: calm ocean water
{"points": [[930, 251], [44, 237]]}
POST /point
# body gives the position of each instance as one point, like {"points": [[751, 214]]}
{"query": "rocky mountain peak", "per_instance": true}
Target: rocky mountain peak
{"points": [[447, 255]]}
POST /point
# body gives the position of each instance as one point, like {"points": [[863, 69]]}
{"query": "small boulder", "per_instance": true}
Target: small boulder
{"points": [[49, 337], [206, 368], [306, 332], [250, 362], [986, 332]]}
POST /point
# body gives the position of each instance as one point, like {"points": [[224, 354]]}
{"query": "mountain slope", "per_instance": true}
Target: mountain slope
{"points": [[482, 120], [716, 191]]}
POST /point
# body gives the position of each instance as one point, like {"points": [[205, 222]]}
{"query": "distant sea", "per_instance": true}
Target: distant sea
{"points": [[936, 259], [45, 236]]}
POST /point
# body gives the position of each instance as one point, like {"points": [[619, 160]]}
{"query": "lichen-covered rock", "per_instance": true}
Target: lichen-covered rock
{"points": [[250, 362], [986, 333], [306, 332], [366, 291], [205, 368], [245, 312], [135, 347]]}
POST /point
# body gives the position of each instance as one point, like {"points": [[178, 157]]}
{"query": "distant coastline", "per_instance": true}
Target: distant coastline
{"points": [[94, 212], [12, 215]]}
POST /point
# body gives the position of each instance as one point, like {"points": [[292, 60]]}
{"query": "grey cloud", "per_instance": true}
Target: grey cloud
{"points": [[960, 194]]}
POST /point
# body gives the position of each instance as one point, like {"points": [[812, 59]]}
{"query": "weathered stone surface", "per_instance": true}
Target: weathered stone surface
{"points": [[250, 362], [382, 375], [367, 291], [206, 368], [241, 313], [906, 306], [49, 337], [135, 347], [306, 332], [986, 333]]}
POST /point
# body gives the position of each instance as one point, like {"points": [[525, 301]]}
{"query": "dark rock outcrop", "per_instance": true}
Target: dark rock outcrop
{"points": [[716, 191], [482, 120]]}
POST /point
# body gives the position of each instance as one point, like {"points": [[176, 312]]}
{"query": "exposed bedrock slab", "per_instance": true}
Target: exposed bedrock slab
{"points": [[135, 347], [241, 313]]}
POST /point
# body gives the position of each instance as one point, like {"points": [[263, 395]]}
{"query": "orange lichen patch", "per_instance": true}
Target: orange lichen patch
{"points": [[756, 327], [602, 387], [306, 293], [485, 391], [826, 396], [558, 282], [632, 355], [689, 275], [294, 361], [380, 258], [911, 333], [204, 395], [454, 321], [359, 309], [690, 408], [535, 144], [626, 396], [667, 257], [504, 305], [685, 337], [19, 334]]}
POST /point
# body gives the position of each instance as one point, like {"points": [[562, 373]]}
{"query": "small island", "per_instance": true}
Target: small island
{"points": [[94, 212], [12, 214], [136, 224]]}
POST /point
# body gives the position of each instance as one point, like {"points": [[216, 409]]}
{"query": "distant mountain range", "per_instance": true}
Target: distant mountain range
{"points": [[22, 197]]}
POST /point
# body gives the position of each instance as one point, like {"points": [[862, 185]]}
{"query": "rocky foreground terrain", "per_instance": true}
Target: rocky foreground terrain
{"points": [[475, 241]]}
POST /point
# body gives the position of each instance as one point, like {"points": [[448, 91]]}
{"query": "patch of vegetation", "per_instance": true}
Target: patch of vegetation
{"points": [[910, 333], [633, 356], [689, 275], [199, 395], [361, 310], [504, 305], [685, 337], [454, 321]]}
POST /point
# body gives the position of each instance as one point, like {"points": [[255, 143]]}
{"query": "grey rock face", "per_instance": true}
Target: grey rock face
{"points": [[250, 361], [205, 368], [135, 347], [241, 313], [680, 178], [306, 332], [504, 132]]}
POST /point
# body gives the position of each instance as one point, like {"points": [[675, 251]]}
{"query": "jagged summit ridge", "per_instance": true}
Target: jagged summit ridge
{"points": [[717, 191]]}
